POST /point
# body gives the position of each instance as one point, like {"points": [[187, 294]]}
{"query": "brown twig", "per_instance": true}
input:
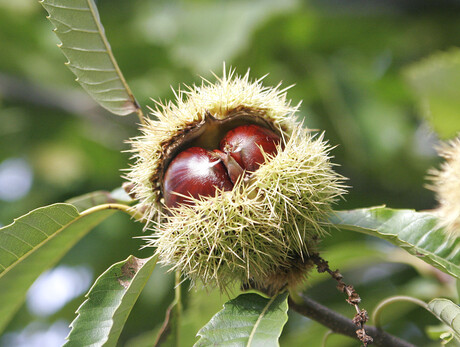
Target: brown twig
{"points": [[361, 316], [340, 324]]}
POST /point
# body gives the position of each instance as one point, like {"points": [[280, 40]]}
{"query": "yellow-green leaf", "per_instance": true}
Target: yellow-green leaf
{"points": [[35, 242]]}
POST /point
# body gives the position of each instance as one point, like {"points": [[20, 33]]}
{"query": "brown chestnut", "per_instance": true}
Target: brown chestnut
{"points": [[198, 172], [244, 143], [194, 172]]}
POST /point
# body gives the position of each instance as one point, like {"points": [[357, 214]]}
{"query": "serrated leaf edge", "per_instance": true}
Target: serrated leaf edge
{"points": [[47, 239], [435, 304], [92, 8], [96, 282], [411, 248]]}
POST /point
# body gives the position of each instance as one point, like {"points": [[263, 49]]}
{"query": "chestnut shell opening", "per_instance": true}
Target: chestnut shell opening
{"points": [[207, 134]]}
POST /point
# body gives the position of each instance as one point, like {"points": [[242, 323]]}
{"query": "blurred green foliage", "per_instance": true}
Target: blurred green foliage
{"points": [[436, 80], [349, 62]]}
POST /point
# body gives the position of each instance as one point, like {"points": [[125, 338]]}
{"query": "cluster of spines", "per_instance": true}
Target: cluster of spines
{"points": [[258, 228], [446, 185]]}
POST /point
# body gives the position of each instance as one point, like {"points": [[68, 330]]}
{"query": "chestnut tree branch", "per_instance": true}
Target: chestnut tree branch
{"points": [[361, 316], [340, 324]]}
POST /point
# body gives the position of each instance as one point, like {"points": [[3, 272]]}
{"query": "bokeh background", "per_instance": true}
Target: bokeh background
{"points": [[350, 62]]}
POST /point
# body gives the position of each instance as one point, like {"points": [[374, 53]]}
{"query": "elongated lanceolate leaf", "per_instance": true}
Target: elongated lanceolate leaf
{"points": [[249, 320], [85, 45], [416, 232], [448, 313], [102, 316], [34, 243]]}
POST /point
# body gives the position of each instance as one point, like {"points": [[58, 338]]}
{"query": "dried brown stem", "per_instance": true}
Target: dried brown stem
{"points": [[340, 324], [361, 316]]}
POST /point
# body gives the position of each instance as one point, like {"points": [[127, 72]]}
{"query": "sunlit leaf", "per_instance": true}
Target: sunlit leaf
{"points": [[34, 243], [448, 313], [439, 332], [248, 320], [85, 45], [416, 232], [436, 80], [102, 316]]}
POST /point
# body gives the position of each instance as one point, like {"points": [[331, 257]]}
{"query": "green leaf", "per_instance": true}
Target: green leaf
{"points": [[248, 320], [102, 316], [86, 201], [416, 232], [78, 26], [436, 81], [448, 313], [34, 243]]}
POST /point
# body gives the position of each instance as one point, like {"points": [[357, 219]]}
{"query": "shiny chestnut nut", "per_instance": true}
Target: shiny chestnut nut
{"points": [[194, 172], [198, 172], [244, 144]]}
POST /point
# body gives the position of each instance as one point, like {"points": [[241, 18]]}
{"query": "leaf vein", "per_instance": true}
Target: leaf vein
{"points": [[86, 50], [86, 31], [71, 215], [18, 238], [68, 25], [90, 69], [32, 227], [10, 252], [98, 83], [108, 90], [60, 225], [83, 9]]}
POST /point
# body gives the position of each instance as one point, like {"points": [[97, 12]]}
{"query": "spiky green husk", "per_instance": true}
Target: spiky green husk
{"points": [[229, 93], [446, 185], [258, 229], [262, 231]]}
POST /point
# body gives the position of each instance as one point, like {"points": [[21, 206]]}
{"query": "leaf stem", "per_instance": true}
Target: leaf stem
{"points": [[385, 303], [124, 208], [326, 337], [178, 303]]}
